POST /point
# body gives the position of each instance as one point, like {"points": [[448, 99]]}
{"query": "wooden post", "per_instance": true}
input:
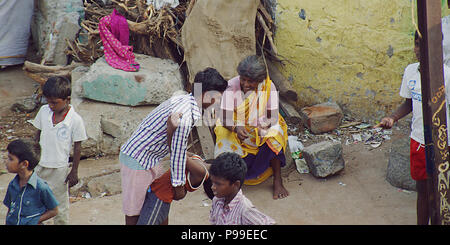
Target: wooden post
{"points": [[206, 141], [434, 109]]}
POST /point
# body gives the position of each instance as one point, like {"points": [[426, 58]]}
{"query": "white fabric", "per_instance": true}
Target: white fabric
{"points": [[15, 20], [56, 141], [411, 89], [158, 4]]}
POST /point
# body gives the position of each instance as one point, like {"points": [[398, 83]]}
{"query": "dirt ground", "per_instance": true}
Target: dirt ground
{"points": [[359, 195]]}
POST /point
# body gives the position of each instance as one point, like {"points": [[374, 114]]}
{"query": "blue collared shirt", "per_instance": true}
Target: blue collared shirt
{"points": [[27, 204]]}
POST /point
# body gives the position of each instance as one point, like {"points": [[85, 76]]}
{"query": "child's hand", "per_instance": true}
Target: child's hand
{"points": [[386, 122], [72, 178], [179, 192]]}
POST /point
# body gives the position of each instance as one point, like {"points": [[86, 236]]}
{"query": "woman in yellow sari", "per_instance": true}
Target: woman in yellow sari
{"points": [[251, 126]]}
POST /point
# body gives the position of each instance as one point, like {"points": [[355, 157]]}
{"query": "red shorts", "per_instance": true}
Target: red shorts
{"points": [[418, 163]]}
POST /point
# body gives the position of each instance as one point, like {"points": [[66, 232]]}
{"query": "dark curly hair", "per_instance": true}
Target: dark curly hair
{"points": [[229, 166], [26, 150]]}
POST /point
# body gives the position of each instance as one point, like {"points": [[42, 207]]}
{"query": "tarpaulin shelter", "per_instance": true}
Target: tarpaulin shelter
{"points": [[15, 20]]}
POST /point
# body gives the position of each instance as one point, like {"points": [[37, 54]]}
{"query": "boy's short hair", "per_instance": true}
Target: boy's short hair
{"points": [[210, 80], [25, 149], [57, 87], [229, 166]]}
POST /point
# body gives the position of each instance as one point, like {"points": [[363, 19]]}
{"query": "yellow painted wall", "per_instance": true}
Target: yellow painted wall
{"points": [[352, 52]]}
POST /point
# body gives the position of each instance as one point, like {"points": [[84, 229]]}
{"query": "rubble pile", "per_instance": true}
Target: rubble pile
{"points": [[349, 132]]}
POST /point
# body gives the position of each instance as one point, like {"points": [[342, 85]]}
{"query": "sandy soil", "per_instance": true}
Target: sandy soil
{"points": [[359, 195]]}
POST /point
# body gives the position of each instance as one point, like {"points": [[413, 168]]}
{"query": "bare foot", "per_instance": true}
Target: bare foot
{"points": [[279, 192]]}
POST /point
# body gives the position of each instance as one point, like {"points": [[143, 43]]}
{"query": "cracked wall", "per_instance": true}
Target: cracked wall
{"points": [[352, 52]]}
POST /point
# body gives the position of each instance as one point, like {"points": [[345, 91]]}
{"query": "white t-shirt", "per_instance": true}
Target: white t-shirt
{"points": [[411, 89], [57, 140]]}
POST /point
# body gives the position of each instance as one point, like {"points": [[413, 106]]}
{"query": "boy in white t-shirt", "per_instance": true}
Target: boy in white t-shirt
{"points": [[58, 127], [411, 91]]}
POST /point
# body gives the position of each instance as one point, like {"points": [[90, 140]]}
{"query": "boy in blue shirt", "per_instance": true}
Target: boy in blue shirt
{"points": [[29, 199]]}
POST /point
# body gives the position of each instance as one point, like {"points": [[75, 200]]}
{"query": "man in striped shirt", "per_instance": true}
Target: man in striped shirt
{"points": [[229, 205], [151, 141]]}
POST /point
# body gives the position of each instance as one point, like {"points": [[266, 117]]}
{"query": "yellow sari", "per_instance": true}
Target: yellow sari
{"points": [[248, 114]]}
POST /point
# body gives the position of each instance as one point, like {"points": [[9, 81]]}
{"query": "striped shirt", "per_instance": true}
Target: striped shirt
{"points": [[240, 211], [148, 144]]}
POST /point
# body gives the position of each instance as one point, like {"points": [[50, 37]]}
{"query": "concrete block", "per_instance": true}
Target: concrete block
{"points": [[324, 158], [322, 118], [156, 81]]}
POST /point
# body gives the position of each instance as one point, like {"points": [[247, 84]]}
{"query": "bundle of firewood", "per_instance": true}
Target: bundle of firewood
{"points": [[152, 32]]}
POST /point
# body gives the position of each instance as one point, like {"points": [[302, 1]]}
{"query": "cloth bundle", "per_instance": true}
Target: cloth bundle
{"points": [[114, 33]]}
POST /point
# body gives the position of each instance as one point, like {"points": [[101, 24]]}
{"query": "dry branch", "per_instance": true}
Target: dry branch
{"points": [[40, 73], [267, 32]]}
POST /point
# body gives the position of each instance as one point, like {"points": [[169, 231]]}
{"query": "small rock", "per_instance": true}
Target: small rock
{"points": [[322, 118], [324, 158], [25, 105]]}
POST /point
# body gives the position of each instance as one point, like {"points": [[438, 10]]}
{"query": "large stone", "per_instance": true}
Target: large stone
{"points": [[56, 21], [156, 81], [322, 118], [91, 118], [108, 126], [398, 172], [324, 158]]}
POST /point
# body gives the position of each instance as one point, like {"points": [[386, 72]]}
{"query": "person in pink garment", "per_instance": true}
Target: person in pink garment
{"points": [[114, 34]]}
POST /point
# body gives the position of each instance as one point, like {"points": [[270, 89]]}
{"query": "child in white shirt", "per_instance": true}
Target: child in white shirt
{"points": [[412, 92], [58, 127]]}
